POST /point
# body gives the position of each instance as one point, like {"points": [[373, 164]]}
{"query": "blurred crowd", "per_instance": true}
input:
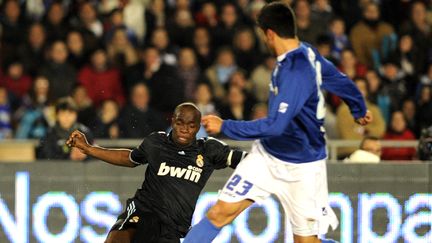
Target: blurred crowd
{"points": [[121, 66]]}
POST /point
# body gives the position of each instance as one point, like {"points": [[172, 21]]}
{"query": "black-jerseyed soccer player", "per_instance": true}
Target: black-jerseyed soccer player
{"points": [[178, 168]]}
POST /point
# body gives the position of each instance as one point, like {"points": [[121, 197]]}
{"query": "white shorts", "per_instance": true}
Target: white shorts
{"points": [[301, 189]]}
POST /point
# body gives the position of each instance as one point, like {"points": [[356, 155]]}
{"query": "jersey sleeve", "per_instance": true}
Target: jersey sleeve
{"points": [[139, 155], [339, 84], [222, 155], [295, 89]]}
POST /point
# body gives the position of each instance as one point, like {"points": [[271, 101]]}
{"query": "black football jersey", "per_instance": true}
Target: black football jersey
{"points": [[176, 175]]}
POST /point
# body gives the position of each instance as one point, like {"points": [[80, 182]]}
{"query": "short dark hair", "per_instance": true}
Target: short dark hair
{"points": [[368, 138], [280, 18], [191, 107], [66, 104]]}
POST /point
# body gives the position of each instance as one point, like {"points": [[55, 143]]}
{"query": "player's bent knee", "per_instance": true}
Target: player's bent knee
{"points": [[219, 217], [223, 213]]}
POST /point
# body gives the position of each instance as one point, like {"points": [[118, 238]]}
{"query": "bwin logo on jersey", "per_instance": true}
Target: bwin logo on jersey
{"points": [[192, 173]]}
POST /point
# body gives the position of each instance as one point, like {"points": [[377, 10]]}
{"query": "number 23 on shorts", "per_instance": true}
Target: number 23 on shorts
{"points": [[235, 181]]}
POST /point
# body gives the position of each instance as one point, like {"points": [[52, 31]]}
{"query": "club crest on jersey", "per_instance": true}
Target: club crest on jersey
{"points": [[135, 219], [200, 160]]}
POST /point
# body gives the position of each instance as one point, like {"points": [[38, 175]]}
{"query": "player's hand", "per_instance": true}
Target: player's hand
{"points": [[78, 140], [368, 118], [77, 155], [212, 124]]}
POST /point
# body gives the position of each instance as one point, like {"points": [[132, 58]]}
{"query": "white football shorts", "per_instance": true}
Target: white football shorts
{"points": [[301, 189]]}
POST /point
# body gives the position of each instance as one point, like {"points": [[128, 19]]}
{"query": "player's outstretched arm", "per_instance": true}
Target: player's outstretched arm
{"points": [[212, 124], [118, 157]]}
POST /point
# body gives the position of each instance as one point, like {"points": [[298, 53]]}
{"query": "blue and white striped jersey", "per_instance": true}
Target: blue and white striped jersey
{"points": [[293, 129]]}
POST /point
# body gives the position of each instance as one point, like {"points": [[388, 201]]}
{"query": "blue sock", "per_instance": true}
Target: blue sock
{"points": [[203, 232]]}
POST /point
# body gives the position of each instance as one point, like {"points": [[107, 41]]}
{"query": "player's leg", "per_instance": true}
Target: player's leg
{"points": [[223, 213], [125, 227], [121, 236], [219, 215], [243, 188], [304, 198]]}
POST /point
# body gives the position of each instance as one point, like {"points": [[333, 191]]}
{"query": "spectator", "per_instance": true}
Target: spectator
{"points": [[166, 87], [324, 45], [55, 22], [425, 145], [339, 38], [33, 51], [61, 75], [224, 32], [104, 8], [154, 17], [13, 23], [116, 21], [34, 9], [255, 9], [85, 108], [350, 65], [121, 52], [53, 145], [88, 20], [100, 80], [107, 120], [369, 36], [399, 87], [369, 152], [421, 33], [379, 94], [207, 16], [238, 79], [322, 10], [161, 41], [16, 81], [330, 123], [78, 53], [237, 107], [308, 29], [404, 55], [260, 78], [409, 112], [424, 108], [138, 119], [182, 30], [398, 131], [88, 24], [133, 14], [259, 111], [203, 47], [426, 79], [350, 130], [5, 115], [396, 12], [180, 5], [243, 7], [219, 73], [246, 55], [204, 100], [35, 114], [189, 71]]}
